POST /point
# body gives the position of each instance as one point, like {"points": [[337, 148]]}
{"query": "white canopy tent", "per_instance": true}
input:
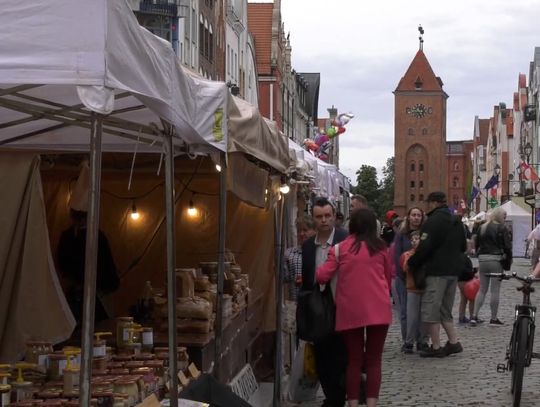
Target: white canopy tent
{"points": [[520, 221], [57, 68]]}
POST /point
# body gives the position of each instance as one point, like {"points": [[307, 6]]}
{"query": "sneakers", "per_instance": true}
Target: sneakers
{"points": [[451, 348], [474, 321], [464, 320], [495, 322], [407, 348], [433, 353]]}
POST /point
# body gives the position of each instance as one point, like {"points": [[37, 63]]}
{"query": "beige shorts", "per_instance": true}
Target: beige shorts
{"points": [[438, 299]]}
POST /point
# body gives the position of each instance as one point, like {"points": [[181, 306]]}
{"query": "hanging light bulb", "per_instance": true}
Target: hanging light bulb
{"points": [[192, 211], [134, 214], [284, 189], [218, 168]]}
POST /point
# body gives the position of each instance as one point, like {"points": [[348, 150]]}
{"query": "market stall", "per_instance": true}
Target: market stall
{"points": [[112, 81]]}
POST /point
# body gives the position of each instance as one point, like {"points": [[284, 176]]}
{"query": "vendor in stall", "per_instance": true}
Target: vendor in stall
{"points": [[71, 255]]}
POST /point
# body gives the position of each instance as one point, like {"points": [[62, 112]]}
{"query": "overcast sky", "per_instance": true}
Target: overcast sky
{"points": [[363, 48]]}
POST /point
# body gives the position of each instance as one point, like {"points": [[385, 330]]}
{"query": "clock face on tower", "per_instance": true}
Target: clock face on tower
{"points": [[419, 110]]}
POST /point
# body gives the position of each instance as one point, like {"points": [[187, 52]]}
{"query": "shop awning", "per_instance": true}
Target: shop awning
{"points": [[252, 134]]}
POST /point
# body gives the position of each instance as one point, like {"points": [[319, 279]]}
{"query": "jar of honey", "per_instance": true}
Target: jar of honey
{"points": [[147, 339], [123, 333]]}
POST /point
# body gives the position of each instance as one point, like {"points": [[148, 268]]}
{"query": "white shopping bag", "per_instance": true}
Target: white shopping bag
{"points": [[301, 387]]}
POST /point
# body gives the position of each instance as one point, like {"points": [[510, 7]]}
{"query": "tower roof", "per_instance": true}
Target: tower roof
{"points": [[420, 76]]}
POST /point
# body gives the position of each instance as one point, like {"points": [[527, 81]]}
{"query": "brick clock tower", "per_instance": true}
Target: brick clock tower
{"points": [[419, 135]]}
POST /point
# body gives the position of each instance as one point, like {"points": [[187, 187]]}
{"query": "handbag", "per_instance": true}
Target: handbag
{"points": [[315, 314], [506, 259], [316, 310]]}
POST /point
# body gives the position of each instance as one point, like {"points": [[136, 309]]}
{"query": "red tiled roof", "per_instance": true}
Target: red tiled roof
{"points": [[522, 81], [523, 100], [420, 70], [483, 124], [260, 26]]}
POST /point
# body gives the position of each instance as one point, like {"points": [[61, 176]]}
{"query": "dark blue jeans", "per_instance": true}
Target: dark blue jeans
{"points": [[400, 298]]}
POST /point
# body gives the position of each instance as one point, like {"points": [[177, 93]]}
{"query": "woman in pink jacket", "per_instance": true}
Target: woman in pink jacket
{"points": [[363, 306]]}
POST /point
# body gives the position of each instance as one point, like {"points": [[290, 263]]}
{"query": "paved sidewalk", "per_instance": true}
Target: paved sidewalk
{"points": [[466, 379]]}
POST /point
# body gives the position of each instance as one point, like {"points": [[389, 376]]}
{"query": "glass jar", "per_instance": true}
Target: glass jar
{"points": [[147, 339], [104, 399], [123, 333], [5, 390], [57, 364], [128, 385]]}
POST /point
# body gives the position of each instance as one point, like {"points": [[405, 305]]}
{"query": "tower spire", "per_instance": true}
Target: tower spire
{"points": [[421, 38]]}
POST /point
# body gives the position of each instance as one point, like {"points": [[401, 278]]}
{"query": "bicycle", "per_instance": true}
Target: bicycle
{"points": [[520, 349]]}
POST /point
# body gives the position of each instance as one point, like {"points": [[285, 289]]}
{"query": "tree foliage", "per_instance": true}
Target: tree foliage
{"points": [[386, 195], [380, 195]]}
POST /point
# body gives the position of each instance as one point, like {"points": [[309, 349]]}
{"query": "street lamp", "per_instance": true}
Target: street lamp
{"points": [[528, 150], [478, 182]]}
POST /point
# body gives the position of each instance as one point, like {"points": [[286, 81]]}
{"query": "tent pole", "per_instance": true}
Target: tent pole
{"points": [[278, 218], [171, 264], [221, 266], [90, 262]]}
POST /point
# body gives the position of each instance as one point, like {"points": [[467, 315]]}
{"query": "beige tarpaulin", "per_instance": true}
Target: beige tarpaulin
{"points": [[31, 299], [252, 134]]}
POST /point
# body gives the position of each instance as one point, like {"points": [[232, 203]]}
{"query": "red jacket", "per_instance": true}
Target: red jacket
{"points": [[363, 286]]}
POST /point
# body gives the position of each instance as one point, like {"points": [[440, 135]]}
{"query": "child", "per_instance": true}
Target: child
{"points": [[414, 297]]}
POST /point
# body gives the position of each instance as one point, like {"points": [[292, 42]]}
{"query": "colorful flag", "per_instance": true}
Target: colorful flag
{"points": [[474, 194], [493, 181], [527, 172]]}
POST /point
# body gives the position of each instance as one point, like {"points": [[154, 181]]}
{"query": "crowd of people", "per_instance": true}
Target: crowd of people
{"points": [[416, 263]]}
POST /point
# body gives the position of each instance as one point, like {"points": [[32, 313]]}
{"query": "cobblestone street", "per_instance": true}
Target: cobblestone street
{"points": [[466, 379]]}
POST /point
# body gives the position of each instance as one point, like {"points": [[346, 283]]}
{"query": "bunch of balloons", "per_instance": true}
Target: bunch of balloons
{"points": [[320, 144]]}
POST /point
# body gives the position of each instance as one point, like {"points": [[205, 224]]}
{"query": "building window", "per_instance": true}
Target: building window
{"points": [[456, 166], [424, 132], [412, 197], [412, 184], [455, 182], [456, 201], [421, 167], [413, 167], [410, 132], [421, 184], [228, 60], [421, 197]]}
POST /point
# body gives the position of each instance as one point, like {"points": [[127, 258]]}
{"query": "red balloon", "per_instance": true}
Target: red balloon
{"points": [[471, 287]]}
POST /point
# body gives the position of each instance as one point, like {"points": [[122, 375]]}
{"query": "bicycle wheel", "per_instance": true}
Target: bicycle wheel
{"points": [[520, 355]]}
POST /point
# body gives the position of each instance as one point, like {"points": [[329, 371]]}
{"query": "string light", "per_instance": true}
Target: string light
{"points": [[134, 214], [218, 168]]}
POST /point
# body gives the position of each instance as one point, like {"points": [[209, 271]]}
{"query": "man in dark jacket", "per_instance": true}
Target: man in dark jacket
{"points": [[330, 356], [436, 265]]}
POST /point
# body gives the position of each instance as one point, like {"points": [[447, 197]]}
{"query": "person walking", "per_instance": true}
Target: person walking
{"points": [[330, 357], [413, 221], [436, 264], [492, 242], [305, 228], [363, 305]]}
